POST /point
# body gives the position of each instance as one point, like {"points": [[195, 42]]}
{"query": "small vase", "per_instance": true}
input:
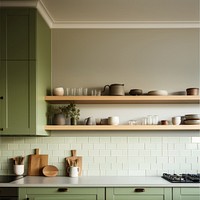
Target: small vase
{"points": [[59, 119], [74, 121]]}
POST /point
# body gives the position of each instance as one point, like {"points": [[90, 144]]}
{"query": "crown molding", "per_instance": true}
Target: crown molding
{"points": [[45, 14], [53, 24], [125, 24]]}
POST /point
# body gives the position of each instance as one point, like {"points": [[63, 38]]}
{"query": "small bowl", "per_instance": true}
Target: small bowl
{"points": [[135, 92], [192, 91]]}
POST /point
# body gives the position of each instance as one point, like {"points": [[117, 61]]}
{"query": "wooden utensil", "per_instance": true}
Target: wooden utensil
{"points": [[75, 161], [36, 162], [50, 170]]}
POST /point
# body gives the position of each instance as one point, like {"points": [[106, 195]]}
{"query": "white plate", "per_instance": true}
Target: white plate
{"points": [[158, 92]]}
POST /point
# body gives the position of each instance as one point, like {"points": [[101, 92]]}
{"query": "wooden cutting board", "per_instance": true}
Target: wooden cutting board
{"points": [[74, 160], [36, 163]]}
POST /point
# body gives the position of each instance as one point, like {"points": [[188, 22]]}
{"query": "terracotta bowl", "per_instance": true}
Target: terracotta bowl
{"points": [[192, 91]]}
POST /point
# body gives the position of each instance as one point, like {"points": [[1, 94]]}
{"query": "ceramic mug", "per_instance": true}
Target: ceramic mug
{"points": [[176, 120], [73, 171], [113, 120], [19, 169]]}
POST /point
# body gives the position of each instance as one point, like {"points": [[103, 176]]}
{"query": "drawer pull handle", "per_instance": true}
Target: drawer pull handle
{"points": [[1, 97], [139, 190], [62, 190], [1, 129]]}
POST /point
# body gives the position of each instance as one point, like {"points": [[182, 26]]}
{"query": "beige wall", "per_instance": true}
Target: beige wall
{"points": [[140, 58]]}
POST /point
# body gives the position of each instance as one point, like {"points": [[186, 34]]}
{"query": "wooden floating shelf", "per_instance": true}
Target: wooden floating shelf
{"points": [[122, 128], [123, 99]]}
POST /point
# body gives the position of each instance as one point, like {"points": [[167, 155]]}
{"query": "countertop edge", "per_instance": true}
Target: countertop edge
{"points": [[96, 182]]}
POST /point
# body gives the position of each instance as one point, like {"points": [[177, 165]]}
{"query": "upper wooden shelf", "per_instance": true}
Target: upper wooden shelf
{"points": [[123, 128], [123, 99]]}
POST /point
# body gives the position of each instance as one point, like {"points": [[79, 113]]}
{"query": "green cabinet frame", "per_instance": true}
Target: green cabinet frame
{"points": [[132, 193], [25, 71], [62, 193], [186, 193]]}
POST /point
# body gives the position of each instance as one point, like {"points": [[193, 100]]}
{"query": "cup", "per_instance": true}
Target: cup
{"points": [[176, 120], [59, 91], [85, 91], [155, 119], [79, 91], [98, 121], [67, 91], [73, 171], [19, 170], [113, 120], [149, 120], [73, 91]]}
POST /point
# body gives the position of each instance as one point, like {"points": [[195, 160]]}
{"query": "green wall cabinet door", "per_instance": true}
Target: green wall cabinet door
{"points": [[186, 193], [25, 71], [138, 193], [62, 193]]}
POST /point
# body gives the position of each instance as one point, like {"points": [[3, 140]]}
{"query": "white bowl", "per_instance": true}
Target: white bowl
{"points": [[158, 92]]}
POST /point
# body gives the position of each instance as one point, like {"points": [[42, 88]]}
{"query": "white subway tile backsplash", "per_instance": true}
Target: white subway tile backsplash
{"points": [[111, 156]]}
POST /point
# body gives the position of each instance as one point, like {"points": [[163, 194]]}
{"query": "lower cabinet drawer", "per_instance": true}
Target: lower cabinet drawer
{"points": [[62, 193], [186, 193], [138, 193]]}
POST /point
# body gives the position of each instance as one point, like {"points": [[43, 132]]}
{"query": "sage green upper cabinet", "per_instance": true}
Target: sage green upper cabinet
{"points": [[17, 34], [25, 71]]}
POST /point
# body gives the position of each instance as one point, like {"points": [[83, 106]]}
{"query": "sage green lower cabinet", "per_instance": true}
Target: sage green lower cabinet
{"points": [[132, 193], [186, 193], [62, 194]]}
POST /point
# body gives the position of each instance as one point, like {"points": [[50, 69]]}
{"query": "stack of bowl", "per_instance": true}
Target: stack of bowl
{"points": [[192, 119]]}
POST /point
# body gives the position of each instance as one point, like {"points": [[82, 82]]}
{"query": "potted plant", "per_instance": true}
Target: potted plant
{"points": [[73, 113], [60, 114]]}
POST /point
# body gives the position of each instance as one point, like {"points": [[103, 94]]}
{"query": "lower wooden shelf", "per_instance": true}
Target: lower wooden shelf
{"points": [[122, 128]]}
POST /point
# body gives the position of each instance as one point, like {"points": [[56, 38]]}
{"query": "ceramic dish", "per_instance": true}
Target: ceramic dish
{"points": [[192, 122], [158, 92], [192, 117]]}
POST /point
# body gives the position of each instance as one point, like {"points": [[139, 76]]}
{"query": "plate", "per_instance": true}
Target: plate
{"points": [[192, 122], [192, 117], [158, 92]]}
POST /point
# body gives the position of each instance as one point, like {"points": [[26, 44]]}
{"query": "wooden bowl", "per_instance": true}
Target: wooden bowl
{"points": [[50, 170]]}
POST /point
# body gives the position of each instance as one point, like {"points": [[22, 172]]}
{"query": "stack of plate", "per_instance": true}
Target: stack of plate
{"points": [[192, 119]]}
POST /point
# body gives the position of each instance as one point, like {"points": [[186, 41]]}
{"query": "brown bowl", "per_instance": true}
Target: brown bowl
{"points": [[192, 91], [135, 92]]}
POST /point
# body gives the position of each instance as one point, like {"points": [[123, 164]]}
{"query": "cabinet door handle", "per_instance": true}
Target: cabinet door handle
{"points": [[139, 190], [62, 189], [1, 129], [1, 97]]}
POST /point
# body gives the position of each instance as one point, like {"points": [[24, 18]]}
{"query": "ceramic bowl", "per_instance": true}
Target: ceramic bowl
{"points": [[192, 91], [158, 92]]}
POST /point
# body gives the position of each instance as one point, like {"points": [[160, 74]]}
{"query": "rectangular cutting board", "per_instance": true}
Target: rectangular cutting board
{"points": [[36, 162]]}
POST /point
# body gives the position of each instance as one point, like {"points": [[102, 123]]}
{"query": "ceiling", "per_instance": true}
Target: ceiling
{"points": [[73, 13]]}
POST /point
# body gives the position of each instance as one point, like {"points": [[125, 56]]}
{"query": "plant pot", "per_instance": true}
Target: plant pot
{"points": [[74, 121], [59, 119]]}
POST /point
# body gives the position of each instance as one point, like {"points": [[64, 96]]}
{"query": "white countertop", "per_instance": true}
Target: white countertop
{"points": [[92, 181]]}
